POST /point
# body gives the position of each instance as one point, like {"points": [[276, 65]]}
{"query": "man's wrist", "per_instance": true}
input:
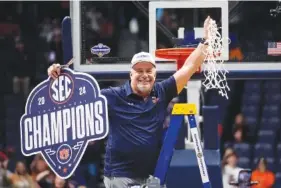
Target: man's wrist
{"points": [[204, 41], [203, 48]]}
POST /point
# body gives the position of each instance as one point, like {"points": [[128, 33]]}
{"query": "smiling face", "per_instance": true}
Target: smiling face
{"points": [[143, 76]]}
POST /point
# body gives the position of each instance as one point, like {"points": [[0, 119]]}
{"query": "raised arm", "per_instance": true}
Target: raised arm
{"points": [[193, 62]]}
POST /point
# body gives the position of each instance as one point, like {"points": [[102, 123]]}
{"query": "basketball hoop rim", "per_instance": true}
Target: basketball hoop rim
{"points": [[174, 51], [179, 55]]}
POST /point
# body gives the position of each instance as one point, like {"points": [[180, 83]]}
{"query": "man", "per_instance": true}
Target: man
{"points": [[136, 115]]}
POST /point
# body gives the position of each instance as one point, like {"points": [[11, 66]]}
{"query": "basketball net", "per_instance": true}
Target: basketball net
{"points": [[213, 66]]}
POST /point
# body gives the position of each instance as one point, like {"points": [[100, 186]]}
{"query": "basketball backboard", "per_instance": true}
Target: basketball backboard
{"points": [[185, 20], [253, 50], [105, 45]]}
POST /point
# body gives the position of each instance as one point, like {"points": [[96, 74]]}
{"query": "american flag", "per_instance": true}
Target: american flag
{"points": [[274, 48]]}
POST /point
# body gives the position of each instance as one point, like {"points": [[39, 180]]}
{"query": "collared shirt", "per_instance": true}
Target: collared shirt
{"points": [[135, 128]]}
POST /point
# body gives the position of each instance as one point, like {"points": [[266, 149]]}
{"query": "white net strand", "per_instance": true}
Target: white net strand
{"points": [[214, 69]]}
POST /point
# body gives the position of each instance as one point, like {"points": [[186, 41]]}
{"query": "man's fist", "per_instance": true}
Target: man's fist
{"points": [[54, 71], [207, 24]]}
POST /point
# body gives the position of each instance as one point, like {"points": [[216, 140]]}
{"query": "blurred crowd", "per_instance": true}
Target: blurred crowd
{"points": [[230, 164], [36, 175], [31, 39]]}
